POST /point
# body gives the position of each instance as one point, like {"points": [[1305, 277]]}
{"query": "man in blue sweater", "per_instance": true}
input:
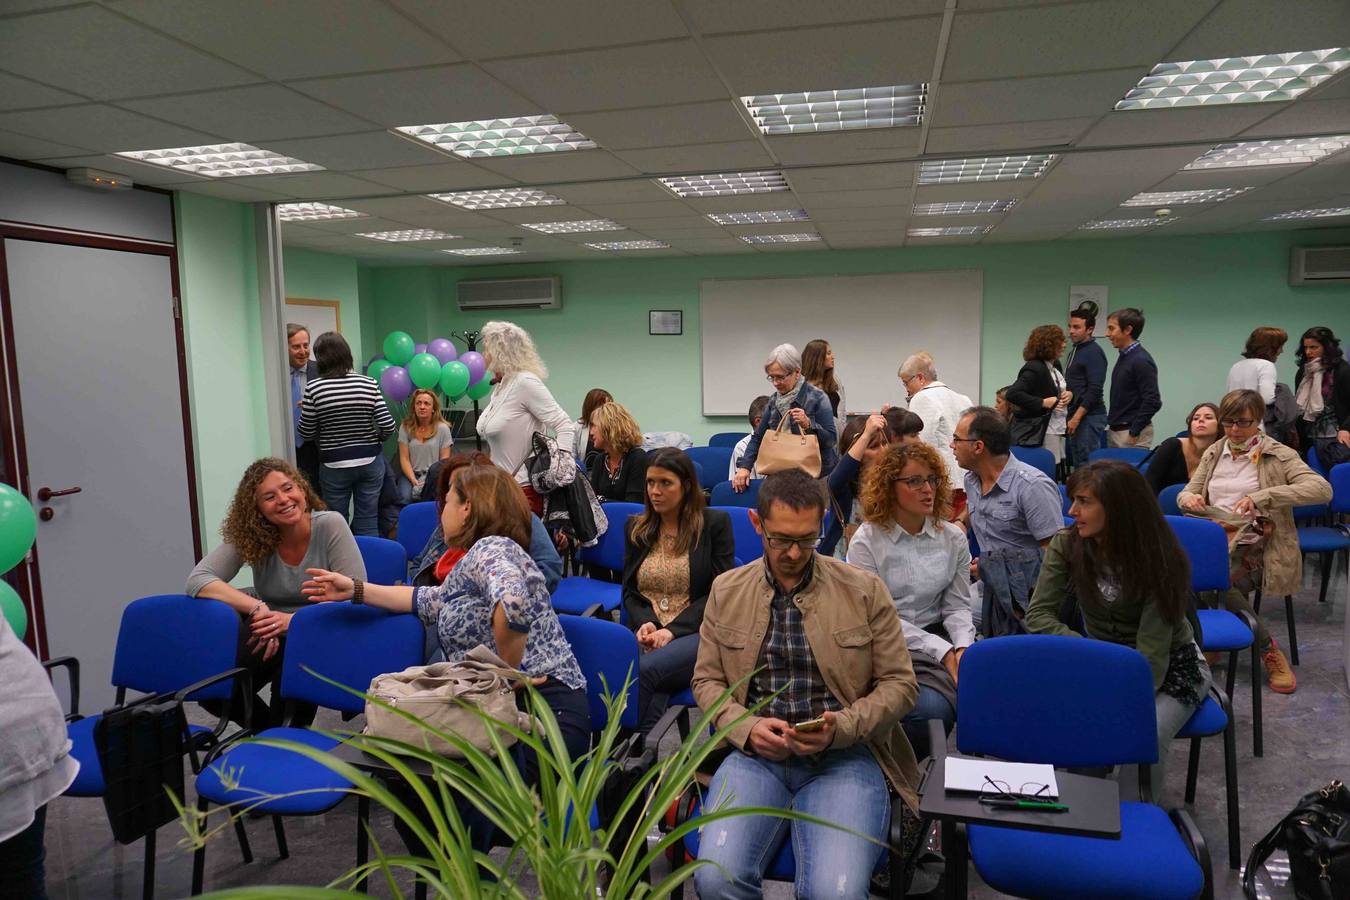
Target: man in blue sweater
{"points": [[1086, 377], [1135, 399]]}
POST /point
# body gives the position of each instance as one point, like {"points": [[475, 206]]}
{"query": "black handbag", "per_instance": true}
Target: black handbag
{"points": [[1029, 432], [140, 747], [1316, 835]]}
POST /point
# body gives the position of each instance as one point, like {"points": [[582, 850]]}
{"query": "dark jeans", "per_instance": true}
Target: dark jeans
{"points": [[363, 483], [661, 673], [1086, 438], [22, 858], [307, 461], [263, 673]]}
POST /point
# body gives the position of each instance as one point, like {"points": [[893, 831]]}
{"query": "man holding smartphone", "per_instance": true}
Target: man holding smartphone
{"points": [[835, 678]]}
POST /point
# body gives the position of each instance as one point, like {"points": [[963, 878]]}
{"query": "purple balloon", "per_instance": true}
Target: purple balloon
{"points": [[420, 348], [476, 364], [443, 350], [396, 384]]}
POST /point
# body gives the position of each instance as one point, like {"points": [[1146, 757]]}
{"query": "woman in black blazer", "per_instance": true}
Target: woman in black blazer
{"points": [[672, 553], [1039, 391]]}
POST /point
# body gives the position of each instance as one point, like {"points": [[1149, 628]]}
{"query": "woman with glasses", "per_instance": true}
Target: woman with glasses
{"points": [[924, 560], [805, 405], [1176, 458], [1250, 477]]}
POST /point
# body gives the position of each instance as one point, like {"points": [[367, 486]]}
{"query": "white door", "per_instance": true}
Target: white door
{"points": [[96, 355]]}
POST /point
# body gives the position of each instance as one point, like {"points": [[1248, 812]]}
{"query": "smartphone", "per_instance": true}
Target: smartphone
{"points": [[810, 726]]}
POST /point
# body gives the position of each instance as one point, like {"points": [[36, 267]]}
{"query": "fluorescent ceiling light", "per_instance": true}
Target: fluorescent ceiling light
{"points": [[985, 168], [414, 234], [1240, 79], [1104, 224], [504, 198], [722, 185], [949, 231], [575, 227], [482, 251], [629, 245], [798, 238], [838, 110], [963, 207], [222, 160], [1181, 198], [1279, 152], [501, 137], [1310, 214], [764, 217], [314, 212]]}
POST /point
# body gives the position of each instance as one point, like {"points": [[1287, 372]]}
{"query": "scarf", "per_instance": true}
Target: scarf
{"points": [[1248, 448], [783, 402], [447, 562], [1309, 396]]}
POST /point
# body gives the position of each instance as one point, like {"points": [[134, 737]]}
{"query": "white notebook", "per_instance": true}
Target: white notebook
{"points": [[969, 775]]}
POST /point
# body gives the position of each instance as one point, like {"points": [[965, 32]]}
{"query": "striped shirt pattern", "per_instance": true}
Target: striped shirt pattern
{"points": [[346, 415]]}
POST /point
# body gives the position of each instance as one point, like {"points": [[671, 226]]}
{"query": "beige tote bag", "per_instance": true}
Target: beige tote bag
{"points": [[781, 450]]}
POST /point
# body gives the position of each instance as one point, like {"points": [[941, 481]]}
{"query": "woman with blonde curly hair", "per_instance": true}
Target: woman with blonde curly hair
{"points": [[1040, 397], [924, 560], [618, 464], [277, 525]]}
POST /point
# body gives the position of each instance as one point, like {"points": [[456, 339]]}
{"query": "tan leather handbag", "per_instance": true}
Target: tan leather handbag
{"points": [[781, 450]]}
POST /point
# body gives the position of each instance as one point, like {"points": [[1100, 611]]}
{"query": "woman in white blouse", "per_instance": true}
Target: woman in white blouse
{"points": [[924, 560], [520, 406], [1256, 370]]}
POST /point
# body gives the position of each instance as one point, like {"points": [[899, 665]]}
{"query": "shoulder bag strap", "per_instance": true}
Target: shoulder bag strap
{"points": [[1261, 851]]}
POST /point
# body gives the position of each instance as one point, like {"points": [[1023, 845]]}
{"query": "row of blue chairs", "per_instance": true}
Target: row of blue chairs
{"points": [[1042, 459]]}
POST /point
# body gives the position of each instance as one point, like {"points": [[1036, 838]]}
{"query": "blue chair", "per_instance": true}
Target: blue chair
{"points": [[749, 547], [698, 471], [576, 593], [416, 522], [1215, 716], [1324, 539], [725, 495], [281, 782], [1039, 457], [607, 653], [727, 439], [1064, 500], [1077, 704], [386, 561], [1135, 456], [713, 463], [1167, 499]]}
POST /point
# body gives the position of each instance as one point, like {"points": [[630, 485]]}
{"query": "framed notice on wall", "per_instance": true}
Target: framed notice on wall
{"points": [[665, 321]]}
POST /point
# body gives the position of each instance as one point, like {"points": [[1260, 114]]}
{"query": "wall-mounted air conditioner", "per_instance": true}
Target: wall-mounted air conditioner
{"points": [[489, 294], [1319, 265]]}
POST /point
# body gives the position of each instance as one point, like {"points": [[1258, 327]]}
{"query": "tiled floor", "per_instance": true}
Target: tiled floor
{"points": [[1307, 743]]}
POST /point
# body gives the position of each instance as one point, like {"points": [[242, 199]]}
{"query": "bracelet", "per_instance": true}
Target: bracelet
{"points": [[252, 612], [358, 591]]}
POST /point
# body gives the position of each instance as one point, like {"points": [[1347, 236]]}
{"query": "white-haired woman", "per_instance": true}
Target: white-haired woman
{"points": [[520, 406], [805, 404]]}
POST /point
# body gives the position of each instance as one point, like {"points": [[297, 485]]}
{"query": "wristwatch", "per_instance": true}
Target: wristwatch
{"points": [[358, 591]]}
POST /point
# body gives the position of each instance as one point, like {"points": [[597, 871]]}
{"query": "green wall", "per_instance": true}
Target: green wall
{"points": [[323, 276], [1201, 296]]}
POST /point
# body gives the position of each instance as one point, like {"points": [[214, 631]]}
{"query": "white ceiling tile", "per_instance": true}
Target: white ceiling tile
{"points": [[825, 58], [315, 185], [849, 199], [413, 209], [713, 16], [1247, 27], [20, 93], [102, 128], [894, 213], [686, 230], [21, 146], [663, 126], [227, 189], [642, 190], [864, 241], [517, 215], [536, 168], [727, 157], [824, 148], [259, 112], [446, 176], [1305, 117], [370, 150], [978, 139], [93, 52], [628, 213], [1243, 176], [848, 178], [992, 190], [1156, 126], [649, 75], [298, 38], [347, 227], [744, 202], [1103, 179], [712, 246], [1031, 99], [458, 93]]}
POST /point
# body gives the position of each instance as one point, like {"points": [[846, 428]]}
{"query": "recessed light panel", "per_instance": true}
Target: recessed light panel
{"points": [[501, 137], [414, 234], [314, 212], [1310, 214], [629, 245], [505, 198], [1279, 152], [963, 207], [949, 231], [985, 168], [764, 217], [482, 251], [840, 110], [723, 185], [222, 160], [575, 227], [799, 238], [1106, 224], [1268, 78], [1181, 198]]}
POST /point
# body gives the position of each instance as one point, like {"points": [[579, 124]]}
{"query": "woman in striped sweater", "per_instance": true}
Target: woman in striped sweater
{"points": [[345, 413]]}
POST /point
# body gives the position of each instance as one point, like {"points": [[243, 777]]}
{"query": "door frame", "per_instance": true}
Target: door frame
{"points": [[14, 461]]}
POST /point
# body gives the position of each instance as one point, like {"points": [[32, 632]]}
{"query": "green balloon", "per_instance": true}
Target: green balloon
{"points": [[424, 370], [481, 388], [454, 378], [12, 608], [18, 527], [377, 368], [399, 347]]}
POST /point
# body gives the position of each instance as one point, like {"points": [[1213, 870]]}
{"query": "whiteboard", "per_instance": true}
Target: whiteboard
{"points": [[871, 321]]}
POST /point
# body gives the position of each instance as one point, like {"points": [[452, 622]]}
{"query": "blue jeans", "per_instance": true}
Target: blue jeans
{"points": [[1086, 438], [405, 488], [841, 786], [364, 482], [930, 705], [661, 673]]}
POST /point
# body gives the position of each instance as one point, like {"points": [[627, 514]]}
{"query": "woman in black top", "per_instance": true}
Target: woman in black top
{"points": [[672, 553], [818, 369], [618, 464], [1039, 391], [1176, 458], [1322, 392]]}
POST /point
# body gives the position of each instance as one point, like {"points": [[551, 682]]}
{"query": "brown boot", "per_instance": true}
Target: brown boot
{"points": [[1278, 673]]}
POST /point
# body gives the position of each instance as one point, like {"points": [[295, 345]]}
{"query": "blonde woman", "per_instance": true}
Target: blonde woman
{"points": [[521, 406], [423, 439], [618, 464]]}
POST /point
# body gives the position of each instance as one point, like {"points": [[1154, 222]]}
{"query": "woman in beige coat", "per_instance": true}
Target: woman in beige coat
{"points": [[1249, 474]]}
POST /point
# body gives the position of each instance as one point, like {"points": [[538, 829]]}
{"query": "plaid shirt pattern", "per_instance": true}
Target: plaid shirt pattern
{"points": [[786, 661]]}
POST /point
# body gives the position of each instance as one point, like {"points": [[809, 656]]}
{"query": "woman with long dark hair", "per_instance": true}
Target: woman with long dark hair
{"points": [[1131, 579], [1322, 392], [818, 369], [1176, 458]]}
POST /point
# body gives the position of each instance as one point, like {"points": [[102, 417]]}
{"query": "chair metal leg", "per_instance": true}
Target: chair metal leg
{"points": [[1256, 601], [1192, 769], [1230, 785], [148, 874], [282, 850], [1293, 634], [362, 838], [1258, 685], [244, 850], [199, 855], [1327, 559], [1231, 675], [954, 850]]}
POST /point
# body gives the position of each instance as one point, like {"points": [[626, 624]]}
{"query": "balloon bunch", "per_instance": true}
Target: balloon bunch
{"points": [[18, 527], [407, 365]]}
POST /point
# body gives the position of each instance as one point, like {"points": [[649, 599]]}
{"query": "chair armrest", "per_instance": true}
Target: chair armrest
{"points": [[1249, 620], [937, 739], [1221, 698], [668, 719], [72, 667], [218, 732], [594, 611], [1195, 842]]}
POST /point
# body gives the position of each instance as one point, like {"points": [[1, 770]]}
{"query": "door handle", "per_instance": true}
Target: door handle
{"points": [[45, 493]]}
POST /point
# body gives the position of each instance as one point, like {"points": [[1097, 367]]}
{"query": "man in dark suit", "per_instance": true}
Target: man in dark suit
{"points": [[302, 370]]}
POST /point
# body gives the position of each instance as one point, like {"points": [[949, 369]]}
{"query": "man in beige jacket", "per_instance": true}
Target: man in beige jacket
{"points": [[827, 636]]}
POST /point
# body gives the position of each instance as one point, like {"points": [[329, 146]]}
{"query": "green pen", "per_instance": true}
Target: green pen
{"points": [[1037, 805]]}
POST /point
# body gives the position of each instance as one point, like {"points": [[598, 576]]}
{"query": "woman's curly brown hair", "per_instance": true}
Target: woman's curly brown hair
{"points": [[1043, 343], [253, 537], [879, 505]]}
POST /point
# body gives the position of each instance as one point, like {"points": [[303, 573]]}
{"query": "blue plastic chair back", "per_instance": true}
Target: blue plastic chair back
{"points": [[749, 547], [727, 439], [607, 653], [1061, 700], [1340, 488], [698, 472], [1167, 499], [169, 641], [416, 522], [349, 644], [1039, 457], [1315, 462], [608, 551], [713, 462], [1132, 455], [725, 495], [386, 561], [1064, 500], [1206, 546]]}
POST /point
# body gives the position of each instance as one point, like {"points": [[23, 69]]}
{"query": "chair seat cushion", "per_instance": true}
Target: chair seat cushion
{"points": [[89, 782], [1149, 861], [1222, 630], [1208, 719], [575, 594], [683, 698], [249, 771], [1322, 540]]}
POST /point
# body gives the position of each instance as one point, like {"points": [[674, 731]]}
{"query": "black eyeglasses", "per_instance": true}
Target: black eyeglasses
{"points": [[916, 482], [993, 789], [965, 440], [1238, 423], [778, 542]]}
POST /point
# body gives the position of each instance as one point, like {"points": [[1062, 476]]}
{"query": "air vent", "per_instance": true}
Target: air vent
{"points": [[1319, 265], [510, 293]]}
